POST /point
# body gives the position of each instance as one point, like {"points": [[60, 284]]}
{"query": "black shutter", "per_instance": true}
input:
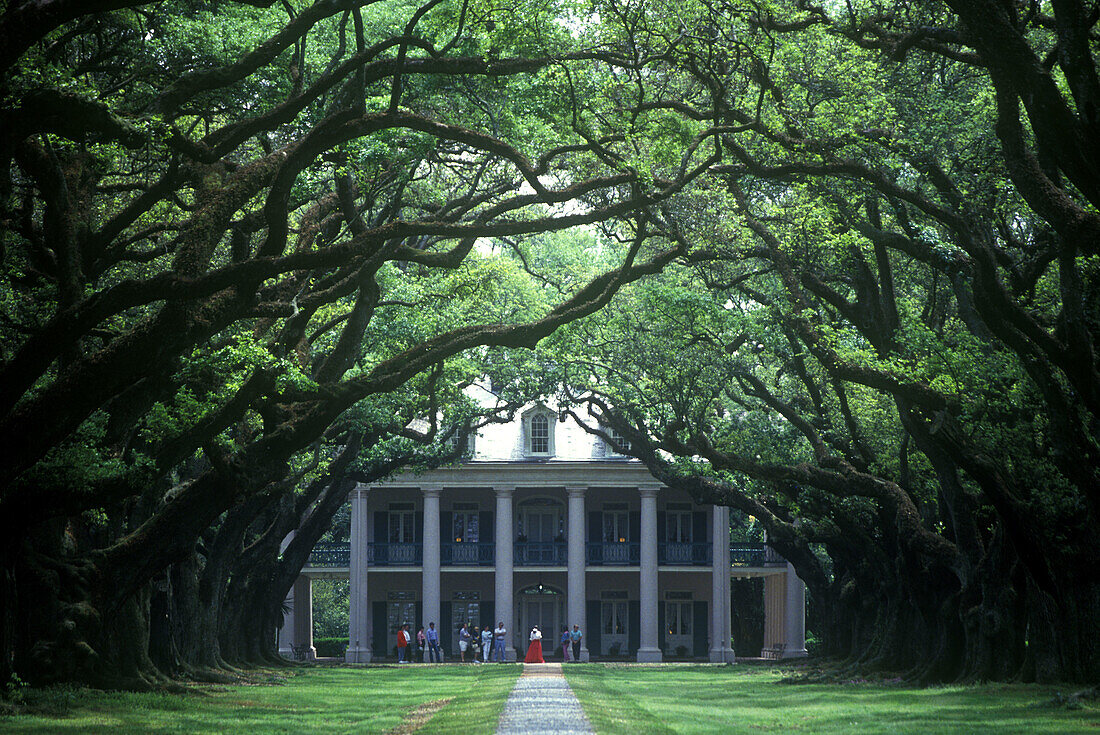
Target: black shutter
{"points": [[487, 611], [485, 531], [662, 626], [634, 625], [447, 527], [698, 526], [592, 635], [379, 634], [418, 527], [699, 627], [661, 523], [446, 635], [381, 535], [635, 526], [595, 527]]}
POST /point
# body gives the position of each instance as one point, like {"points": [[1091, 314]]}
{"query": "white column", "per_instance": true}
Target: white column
{"points": [[795, 611], [504, 602], [720, 623], [432, 548], [575, 574], [359, 630], [648, 652], [286, 633], [303, 616]]}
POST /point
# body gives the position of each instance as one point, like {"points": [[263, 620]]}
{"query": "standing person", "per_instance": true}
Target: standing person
{"points": [[475, 645], [486, 643], [403, 639], [575, 638], [464, 638], [565, 641], [534, 651], [433, 643], [498, 642], [422, 644]]}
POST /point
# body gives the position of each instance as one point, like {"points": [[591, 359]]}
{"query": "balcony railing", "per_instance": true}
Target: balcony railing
{"points": [[552, 553], [539, 554], [684, 554], [754, 555], [614, 554], [468, 554], [330, 555]]}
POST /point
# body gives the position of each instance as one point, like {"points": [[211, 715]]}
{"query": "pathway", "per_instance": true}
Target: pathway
{"points": [[543, 704]]}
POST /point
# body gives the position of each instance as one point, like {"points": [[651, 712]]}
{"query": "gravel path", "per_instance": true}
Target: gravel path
{"points": [[543, 704]]}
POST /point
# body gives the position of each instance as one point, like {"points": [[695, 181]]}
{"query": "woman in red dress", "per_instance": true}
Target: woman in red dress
{"points": [[534, 651]]}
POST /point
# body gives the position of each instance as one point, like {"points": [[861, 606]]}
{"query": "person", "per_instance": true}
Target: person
{"points": [[475, 645], [486, 643], [566, 640], [463, 641], [534, 651], [403, 639], [575, 638], [498, 642], [422, 644], [433, 643]]}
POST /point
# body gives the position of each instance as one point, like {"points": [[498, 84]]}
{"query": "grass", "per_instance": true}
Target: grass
{"points": [[317, 701], [748, 699]]}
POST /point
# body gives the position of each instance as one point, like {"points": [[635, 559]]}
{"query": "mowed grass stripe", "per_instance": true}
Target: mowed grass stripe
{"points": [[317, 701], [748, 699]]}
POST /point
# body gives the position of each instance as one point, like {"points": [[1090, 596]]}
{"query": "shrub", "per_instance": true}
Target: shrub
{"points": [[330, 647]]}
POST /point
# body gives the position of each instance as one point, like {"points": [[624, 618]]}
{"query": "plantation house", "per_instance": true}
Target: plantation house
{"points": [[545, 525]]}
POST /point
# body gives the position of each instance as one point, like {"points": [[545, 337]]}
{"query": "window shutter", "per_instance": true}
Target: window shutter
{"points": [[418, 527], [379, 634], [447, 526], [661, 523], [662, 627], [446, 635], [381, 526], [591, 637], [635, 526], [699, 628], [634, 626], [485, 528], [698, 526], [595, 526]]}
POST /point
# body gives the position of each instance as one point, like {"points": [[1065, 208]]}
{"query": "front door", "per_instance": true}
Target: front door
{"points": [[543, 610], [613, 628]]}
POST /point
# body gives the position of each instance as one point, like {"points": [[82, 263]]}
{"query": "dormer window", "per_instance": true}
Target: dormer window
{"points": [[538, 429], [618, 439]]}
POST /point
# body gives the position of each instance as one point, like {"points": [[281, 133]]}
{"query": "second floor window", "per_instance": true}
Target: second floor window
{"points": [[540, 434]]}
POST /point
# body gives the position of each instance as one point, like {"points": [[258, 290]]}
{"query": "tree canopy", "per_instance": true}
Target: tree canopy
{"points": [[842, 262]]}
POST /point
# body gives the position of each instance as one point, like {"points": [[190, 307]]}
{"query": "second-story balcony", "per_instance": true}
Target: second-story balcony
{"points": [[477, 554], [552, 554], [539, 554], [614, 553]]}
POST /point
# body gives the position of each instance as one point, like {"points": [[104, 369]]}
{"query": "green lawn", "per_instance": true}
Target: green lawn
{"points": [[618, 699], [747, 699], [314, 701]]}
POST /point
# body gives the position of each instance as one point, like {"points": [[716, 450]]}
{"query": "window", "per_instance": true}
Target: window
{"points": [[465, 530], [540, 434], [618, 439], [678, 618], [616, 523], [401, 523], [613, 618], [678, 526]]}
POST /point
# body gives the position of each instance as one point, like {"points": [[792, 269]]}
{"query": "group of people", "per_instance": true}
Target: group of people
{"points": [[473, 640], [476, 641], [570, 639]]}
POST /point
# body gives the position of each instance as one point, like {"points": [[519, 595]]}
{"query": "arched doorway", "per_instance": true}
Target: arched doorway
{"points": [[540, 605]]}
